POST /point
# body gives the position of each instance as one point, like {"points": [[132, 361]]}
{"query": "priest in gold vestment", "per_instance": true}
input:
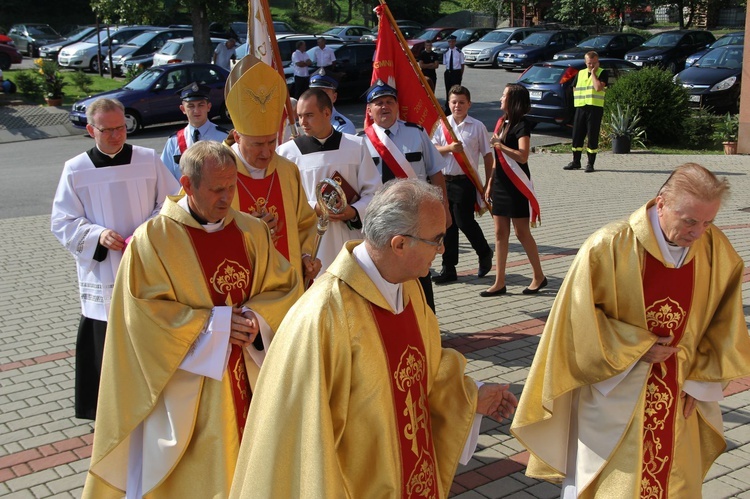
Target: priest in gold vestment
{"points": [[268, 185], [198, 296], [622, 397], [357, 397]]}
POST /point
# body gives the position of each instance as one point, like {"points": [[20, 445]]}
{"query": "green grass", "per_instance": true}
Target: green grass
{"points": [[71, 93], [565, 149]]}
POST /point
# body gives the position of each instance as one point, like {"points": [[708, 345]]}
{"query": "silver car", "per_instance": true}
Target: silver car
{"points": [[485, 50]]}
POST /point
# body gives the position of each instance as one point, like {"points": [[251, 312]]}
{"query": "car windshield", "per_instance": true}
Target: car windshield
{"points": [[462, 34], [333, 31], [664, 40], [42, 30], [595, 42], [93, 38], [171, 48], [722, 58], [428, 34], [728, 40], [79, 34], [542, 75], [141, 39], [496, 36], [280, 27], [145, 79], [537, 39]]}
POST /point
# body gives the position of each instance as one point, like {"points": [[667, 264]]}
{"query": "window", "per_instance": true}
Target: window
{"points": [[205, 75]]}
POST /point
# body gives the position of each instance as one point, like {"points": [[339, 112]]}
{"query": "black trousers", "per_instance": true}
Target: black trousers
{"points": [[426, 283], [89, 353], [451, 78], [301, 83], [587, 122], [461, 198]]}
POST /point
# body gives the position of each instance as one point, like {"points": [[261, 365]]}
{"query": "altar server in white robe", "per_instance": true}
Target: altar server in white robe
{"points": [[103, 195], [325, 153]]}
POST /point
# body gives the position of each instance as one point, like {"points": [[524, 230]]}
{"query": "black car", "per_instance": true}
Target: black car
{"points": [[464, 36], [538, 47], [669, 49], [736, 38], [550, 85], [153, 97], [147, 43], [606, 45], [52, 50], [714, 81], [353, 69]]}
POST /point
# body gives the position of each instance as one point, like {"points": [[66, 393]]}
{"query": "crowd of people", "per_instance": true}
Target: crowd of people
{"points": [[225, 335]]}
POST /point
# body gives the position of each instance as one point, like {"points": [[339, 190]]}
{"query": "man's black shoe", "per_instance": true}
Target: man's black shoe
{"points": [[572, 166], [485, 265], [445, 276], [589, 168]]}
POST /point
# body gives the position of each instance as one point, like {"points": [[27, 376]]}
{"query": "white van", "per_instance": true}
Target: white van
{"points": [[180, 50]]}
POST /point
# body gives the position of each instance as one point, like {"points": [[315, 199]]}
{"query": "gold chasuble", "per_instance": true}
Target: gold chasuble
{"points": [[279, 192], [592, 413], [354, 401], [172, 274]]}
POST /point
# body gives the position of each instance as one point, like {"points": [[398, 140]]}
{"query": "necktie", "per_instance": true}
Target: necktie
{"points": [[196, 135], [387, 132], [450, 61]]}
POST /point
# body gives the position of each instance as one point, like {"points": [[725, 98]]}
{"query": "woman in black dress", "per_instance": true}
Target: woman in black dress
{"points": [[508, 203]]}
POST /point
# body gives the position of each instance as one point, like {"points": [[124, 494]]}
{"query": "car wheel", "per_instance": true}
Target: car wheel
{"points": [[495, 65], [94, 64], [31, 50], [132, 121], [4, 62]]}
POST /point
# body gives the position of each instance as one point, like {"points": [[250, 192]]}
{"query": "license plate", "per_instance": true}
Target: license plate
{"points": [[637, 63], [694, 98], [535, 94], [508, 59], [470, 58], [63, 60]]}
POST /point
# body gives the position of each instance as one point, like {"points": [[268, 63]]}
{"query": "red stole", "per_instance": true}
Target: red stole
{"points": [[228, 275], [668, 295], [407, 366], [264, 200], [385, 155], [181, 142]]}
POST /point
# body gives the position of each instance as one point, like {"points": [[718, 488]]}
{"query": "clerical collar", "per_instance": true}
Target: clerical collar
{"points": [[671, 253], [255, 173], [208, 226], [111, 156], [323, 140], [393, 293]]}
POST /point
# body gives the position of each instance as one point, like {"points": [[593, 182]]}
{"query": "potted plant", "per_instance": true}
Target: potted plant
{"points": [[624, 130], [52, 81], [726, 131]]}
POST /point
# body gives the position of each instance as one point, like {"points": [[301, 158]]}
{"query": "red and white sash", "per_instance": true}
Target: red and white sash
{"points": [[468, 170], [390, 154], [520, 180], [181, 141]]}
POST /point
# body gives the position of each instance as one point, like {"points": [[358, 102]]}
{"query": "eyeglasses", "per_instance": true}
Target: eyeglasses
{"points": [[110, 131], [437, 243]]}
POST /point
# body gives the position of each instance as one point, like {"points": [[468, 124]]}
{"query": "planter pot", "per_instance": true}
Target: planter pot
{"points": [[621, 145], [54, 102], [730, 147]]}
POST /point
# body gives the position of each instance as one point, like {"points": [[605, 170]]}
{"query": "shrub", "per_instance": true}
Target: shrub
{"points": [[82, 81], [698, 129], [29, 83], [132, 72], [727, 128], [662, 104]]}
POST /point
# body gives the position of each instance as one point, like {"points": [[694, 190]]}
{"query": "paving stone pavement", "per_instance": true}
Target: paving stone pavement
{"points": [[44, 450], [20, 122]]}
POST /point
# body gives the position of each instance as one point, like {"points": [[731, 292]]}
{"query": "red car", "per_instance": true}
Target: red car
{"points": [[8, 53], [431, 34]]}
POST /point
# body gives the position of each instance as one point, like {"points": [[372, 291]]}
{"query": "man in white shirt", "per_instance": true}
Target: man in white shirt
{"points": [[324, 56], [462, 194], [453, 60], [104, 194], [300, 64], [195, 106], [225, 53]]}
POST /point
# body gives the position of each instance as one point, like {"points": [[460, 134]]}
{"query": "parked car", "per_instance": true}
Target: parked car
{"points": [[606, 45], [238, 31], [353, 69], [288, 44], [404, 23], [153, 97], [407, 31], [9, 54], [29, 37], [83, 55], [715, 80], [52, 50], [669, 49], [550, 85], [432, 34], [348, 33], [6, 40], [147, 43], [179, 50], [464, 36], [736, 38], [486, 49], [538, 47]]}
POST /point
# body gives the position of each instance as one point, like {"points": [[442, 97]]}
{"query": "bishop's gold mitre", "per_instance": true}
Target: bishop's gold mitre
{"points": [[255, 95]]}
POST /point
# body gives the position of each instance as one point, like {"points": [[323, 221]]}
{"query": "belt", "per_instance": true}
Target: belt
{"points": [[451, 178]]}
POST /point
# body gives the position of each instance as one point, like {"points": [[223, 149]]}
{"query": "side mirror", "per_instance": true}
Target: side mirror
{"points": [[513, 42]]}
